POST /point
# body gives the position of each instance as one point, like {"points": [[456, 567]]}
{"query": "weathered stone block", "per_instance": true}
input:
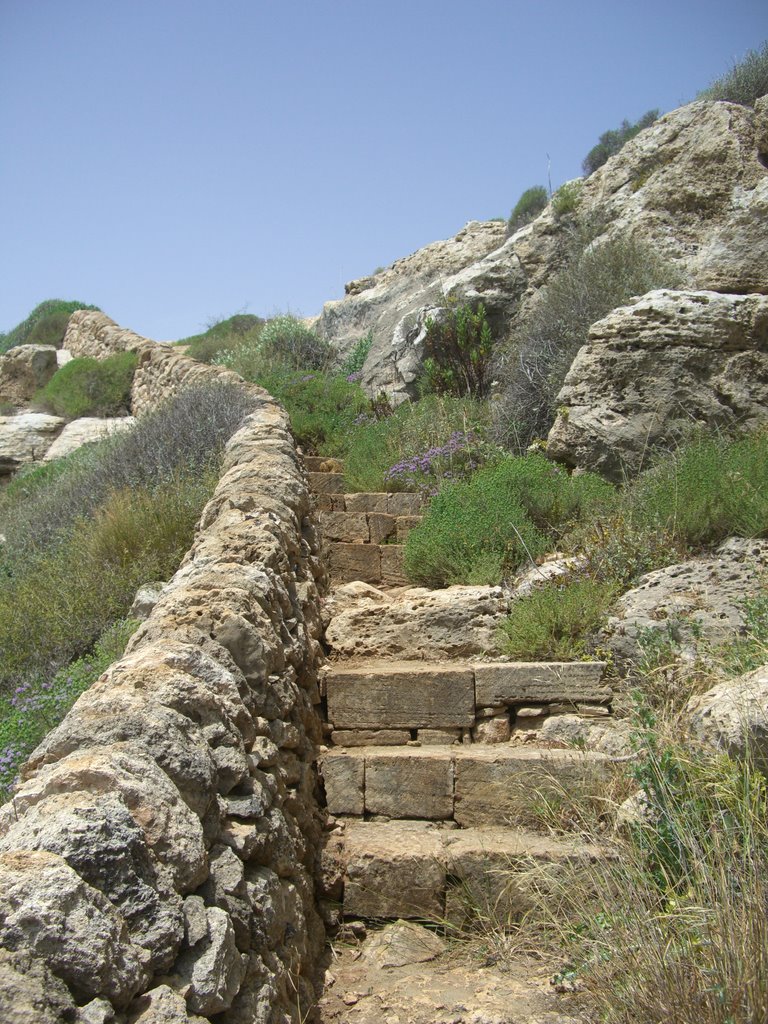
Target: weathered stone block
{"points": [[401, 695], [493, 730], [381, 526], [392, 572], [355, 562], [346, 527], [412, 785], [439, 737], [370, 737], [495, 786], [326, 483], [344, 778], [404, 503], [374, 502], [393, 871], [404, 526], [329, 502], [521, 682]]}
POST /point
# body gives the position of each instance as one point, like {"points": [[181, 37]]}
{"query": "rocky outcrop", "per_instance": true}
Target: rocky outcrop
{"points": [[692, 184], [394, 304], [700, 599], [86, 430], [26, 438], [654, 369], [24, 370], [157, 858], [733, 716]]}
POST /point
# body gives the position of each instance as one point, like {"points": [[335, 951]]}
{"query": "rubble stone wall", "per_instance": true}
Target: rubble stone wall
{"points": [[156, 861]]}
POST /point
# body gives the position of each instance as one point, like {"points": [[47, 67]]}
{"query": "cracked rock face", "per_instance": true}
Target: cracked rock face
{"points": [[693, 184], [652, 370]]}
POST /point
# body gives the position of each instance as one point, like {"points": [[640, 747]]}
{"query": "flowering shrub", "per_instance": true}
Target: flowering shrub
{"points": [[456, 459]]}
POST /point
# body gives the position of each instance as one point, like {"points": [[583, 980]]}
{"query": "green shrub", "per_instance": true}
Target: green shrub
{"points": [[508, 513], [596, 278], [567, 199], [457, 352], [557, 620], [746, 82], [612, 141], [90, 387], [45, 325], [59, 599], [400, 451], [355, 361], [40, 703], [709, 489], [223, 336], [186, 432], [322, 407], [288, 341], [528, 206]]}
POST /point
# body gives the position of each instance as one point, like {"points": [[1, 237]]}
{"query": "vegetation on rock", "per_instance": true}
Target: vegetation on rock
{"points": [[90, 387], [746, 81], [45, 325], [222, 336], [458, 349], [529, 205], [612, 141]]}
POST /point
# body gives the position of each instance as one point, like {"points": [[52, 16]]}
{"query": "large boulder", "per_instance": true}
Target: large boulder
{"points": [[26, 438], [86, 430], [653, 369], [24, 370], [701, 599], [692, 185], [733, 716]]}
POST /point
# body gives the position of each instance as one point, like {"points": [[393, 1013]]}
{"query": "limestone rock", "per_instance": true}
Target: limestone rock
{"points": [[653, 369], [394, 305], [26, 438], [162, 1005], [86, 430], [611, 737], [145, 600], [24, 370], [733, 716], [401, 943], [99, 839], [701, 596], [213, 968], [46, 909], [736, 258], [679, 184], [29, 992], [418, 623], [172, 832]]}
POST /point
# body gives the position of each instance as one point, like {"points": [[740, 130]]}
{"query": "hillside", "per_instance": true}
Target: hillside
{"points": [[409, 663]]}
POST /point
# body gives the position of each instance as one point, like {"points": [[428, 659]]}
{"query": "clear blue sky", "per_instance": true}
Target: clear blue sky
{"points": [[174, 161]]}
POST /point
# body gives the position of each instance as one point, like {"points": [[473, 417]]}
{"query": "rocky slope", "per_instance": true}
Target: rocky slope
{"points": [[695, 186]]}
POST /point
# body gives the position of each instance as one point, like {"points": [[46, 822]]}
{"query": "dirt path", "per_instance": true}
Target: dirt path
{"points": [[451, 989]]}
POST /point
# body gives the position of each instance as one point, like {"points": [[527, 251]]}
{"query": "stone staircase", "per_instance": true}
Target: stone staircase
{"points": [[432, 769]]}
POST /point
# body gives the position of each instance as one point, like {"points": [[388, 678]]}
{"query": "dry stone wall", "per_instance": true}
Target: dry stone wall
{"points": [[156, 862]]}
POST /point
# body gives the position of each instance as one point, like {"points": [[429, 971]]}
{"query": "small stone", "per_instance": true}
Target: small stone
{"points": [[493, 730], [402, 943], [531, 711]]}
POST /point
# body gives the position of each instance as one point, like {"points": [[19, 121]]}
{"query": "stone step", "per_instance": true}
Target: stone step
{"points": [[377, 564], [418, 695], [473, 784], [392, 503], [366, 527], [324, 484], [323, 464], [462, 877]]}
